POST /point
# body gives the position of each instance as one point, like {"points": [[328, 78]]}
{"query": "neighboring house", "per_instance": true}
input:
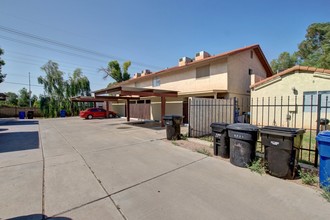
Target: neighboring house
{"points": [[226, 75], [3, 97], [298, 86]]}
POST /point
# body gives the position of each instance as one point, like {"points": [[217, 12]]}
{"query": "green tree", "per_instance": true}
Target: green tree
{"points": [[12, 98], [315, 49], [284, 61], [54, 87], [2, 63], [115, 72], [23, 98], [77, 85]]}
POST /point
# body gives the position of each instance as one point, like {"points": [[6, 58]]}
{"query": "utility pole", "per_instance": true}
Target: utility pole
{"points": [[29, 90]]}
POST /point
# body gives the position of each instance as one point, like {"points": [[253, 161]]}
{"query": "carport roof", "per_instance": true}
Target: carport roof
{"points": [[121, 91]]}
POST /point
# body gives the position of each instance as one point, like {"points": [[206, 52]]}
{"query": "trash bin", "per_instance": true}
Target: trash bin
{"points": [[281, 149], [62, 113], [30, 114], [243, 139], [172, 124], [220, 139], [323, 142], [324, 123], [21, 115]]}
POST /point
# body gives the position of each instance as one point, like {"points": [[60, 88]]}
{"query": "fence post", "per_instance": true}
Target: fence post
{"points": [[236, 111], [189, 119], [317, 128]]}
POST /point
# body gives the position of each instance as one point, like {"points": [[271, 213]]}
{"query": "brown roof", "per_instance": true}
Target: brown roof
{"points": [[255, 47], [292, 70]]}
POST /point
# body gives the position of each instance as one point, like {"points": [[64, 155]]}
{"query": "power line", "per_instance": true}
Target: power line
{"points": [[69, 46], [39, 58], [24, 84], [47, 48]]}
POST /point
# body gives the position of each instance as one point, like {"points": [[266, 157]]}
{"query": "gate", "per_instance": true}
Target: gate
{"points": [[203, 112], [140, 110]]}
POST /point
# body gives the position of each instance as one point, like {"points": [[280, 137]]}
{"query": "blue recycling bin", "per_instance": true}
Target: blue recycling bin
{"points": [[323, 141], [21, 115], [62, 113]]}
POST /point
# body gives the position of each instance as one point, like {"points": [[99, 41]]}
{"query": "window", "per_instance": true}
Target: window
{"points": [[251, 54], [155, 82], [310, 100], [250, 72], [203, 71]]}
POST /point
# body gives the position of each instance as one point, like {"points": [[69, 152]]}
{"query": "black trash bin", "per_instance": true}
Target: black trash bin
{"points": [[220, 139], [30, 114], [281, 149], [172, 124], [243, 139]]}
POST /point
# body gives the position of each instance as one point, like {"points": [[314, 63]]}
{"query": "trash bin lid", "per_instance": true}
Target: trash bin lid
{"points": [[219, 125], [242, 127], [282, 131], [172, 117], [324, 121], [323, 136]]}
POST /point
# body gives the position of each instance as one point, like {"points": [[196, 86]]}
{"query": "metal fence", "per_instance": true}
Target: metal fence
{"points": [[203, 112], [307, 111]]}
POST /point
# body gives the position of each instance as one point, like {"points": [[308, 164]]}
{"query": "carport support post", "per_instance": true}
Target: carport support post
{"points": [[107, 108], [127, 110], [163, 103]]}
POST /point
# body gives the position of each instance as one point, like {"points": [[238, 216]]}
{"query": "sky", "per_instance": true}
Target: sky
{"points": [[152, 34]]}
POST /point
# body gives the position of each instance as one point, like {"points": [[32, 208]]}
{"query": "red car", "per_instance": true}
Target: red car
{"points": [[96, 113]]}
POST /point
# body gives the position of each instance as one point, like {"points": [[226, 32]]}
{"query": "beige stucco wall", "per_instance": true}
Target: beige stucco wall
{"points": [[283, 87], [238, 69], [185, 81]]}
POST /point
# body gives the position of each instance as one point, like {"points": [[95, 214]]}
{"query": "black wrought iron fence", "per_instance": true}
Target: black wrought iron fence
{"points": [[308, 111]]}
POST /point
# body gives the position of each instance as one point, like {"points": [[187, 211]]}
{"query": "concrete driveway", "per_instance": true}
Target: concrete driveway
{"points": [[71, 168]]}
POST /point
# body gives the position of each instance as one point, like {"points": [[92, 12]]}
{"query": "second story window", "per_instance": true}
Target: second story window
{"points": [[155, 82], [203, 71]]}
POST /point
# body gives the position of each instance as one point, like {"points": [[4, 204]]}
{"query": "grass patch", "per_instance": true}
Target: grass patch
{"points": [[184, 136], [308, 177], [207, 138], [204, 151], [326, 193], [175, 143], [257, 167]]}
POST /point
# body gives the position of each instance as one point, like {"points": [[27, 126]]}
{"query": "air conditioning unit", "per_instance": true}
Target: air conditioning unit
{"points": [[145, 72], [184, 60], [136, 75], [201, 55]]}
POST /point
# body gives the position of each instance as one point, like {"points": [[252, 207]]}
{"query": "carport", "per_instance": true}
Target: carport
{"points": [[127, 93]]}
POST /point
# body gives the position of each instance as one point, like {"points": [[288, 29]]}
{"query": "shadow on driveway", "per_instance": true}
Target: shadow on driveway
{"points": [[38, 217], [18, 140], [19, 122]]}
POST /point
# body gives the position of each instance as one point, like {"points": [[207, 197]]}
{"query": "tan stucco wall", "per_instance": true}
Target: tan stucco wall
{"points": [[186, 82], [238, 69], [283, 86]]}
